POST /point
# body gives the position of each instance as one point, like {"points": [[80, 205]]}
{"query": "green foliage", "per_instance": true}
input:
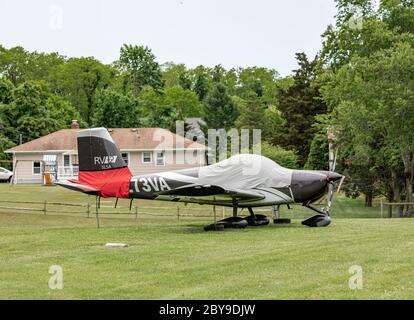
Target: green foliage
{"points": [[19, 65], [219, 109], [318, 153], [156, 113], [285, 158], [62, 111], [6, 89], [115, 110], [259, 81], [372, 101], [299, 105], [250, 111], [140, 68], [184, 101], [273, 124], [35, 112], [377, 30], [201, 82], [78, 80], [5, 143], [176, 75]]}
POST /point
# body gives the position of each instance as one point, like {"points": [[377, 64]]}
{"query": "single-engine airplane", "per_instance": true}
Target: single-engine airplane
{"points": [[241, 181]]}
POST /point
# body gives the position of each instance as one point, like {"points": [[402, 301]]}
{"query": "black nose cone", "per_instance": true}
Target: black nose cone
{"points": [[333, 176]]}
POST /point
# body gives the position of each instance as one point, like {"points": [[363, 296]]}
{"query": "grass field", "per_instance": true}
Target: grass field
{"points": [[171, 259]]}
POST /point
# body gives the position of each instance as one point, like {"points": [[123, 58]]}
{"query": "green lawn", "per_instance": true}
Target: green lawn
{"points": [[171, 259]]}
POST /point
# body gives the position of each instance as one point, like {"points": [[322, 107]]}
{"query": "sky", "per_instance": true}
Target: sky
{"points": [[234, 33]]}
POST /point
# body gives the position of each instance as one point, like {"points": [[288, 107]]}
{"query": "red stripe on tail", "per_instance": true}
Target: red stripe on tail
{"points": [[110, 183]]}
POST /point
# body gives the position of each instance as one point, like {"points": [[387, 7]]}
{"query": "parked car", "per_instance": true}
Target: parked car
{"points": [[5, 175]]}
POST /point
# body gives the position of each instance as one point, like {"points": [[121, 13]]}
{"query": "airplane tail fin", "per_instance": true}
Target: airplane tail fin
{"points": [[101, 166], [97, 151]]}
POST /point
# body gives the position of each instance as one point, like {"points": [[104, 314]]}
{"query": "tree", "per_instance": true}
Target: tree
{"points": [[5, 143], [318, 153], [78, 80], [115, 110], [34, 112], [184, 101], [398, 14], [372, 105], [219, 109], [19, 65], [260, 81], [285, 158], [6, 89], [251, 111], [176, 75], [201, 83], [62, 111], [299, 105], [272, 124], [375, 30], [140, 68], [155, 112]]}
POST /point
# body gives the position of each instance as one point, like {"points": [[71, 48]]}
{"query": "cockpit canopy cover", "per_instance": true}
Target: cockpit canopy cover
{"points": [[246, 171]]}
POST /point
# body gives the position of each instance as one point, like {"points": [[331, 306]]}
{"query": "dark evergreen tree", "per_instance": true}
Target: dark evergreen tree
{"points": [[201, 86], [219, 109], [318, 154], [299, 104], [251, 114]]}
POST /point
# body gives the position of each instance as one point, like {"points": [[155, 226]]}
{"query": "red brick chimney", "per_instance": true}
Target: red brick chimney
{"points": [[74, 125]]}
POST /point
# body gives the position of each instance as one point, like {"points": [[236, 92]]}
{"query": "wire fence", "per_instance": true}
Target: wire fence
{"points": [[88, 210]]}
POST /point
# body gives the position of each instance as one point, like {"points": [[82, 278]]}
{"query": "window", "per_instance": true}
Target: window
{"points": [[125, 157], [146, 157], [36, 167], [160, 161], [2, 170], [66, 160]]}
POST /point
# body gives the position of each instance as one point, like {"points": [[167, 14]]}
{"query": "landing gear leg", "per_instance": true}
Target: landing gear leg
{"points": [[251, 212], [276, 216], [235, 208], [275, 213], [256, 219]]}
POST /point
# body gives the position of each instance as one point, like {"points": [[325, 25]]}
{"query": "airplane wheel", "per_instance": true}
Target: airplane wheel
{"points": [[234, 222], [258, 220], [228, 223], [282, 221], [318, 220]]}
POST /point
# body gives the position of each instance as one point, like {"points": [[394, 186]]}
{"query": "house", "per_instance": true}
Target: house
{"points": [[145, 150]]}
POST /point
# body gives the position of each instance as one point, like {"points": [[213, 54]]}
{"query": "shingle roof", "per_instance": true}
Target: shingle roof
{"points": [[125, 138]]}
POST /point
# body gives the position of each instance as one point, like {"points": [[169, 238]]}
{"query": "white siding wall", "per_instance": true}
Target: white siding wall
{"points": [[172, 162], [24, 169]]}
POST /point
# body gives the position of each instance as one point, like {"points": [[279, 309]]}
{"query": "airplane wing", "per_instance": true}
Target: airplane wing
{"points": [[211, 190]]}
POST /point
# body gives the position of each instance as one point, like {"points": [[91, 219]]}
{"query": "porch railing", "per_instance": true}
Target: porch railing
{"points": [[67, 171]]}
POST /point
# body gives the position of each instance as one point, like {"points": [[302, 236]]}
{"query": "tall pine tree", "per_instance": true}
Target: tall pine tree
{"points": [[299, 104], [219, 109]]}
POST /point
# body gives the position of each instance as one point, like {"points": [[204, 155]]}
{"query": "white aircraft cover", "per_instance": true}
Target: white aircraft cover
{"points": [[245, 171]]}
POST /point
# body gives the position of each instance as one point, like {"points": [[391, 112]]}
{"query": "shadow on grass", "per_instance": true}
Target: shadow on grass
{"points": [[199, 228]]}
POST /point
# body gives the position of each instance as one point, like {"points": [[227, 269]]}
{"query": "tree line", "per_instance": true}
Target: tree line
{"points": [[360, 86], [41, 93]]}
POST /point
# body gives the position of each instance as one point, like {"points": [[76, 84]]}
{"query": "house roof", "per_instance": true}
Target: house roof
{"points": [[127, 139]]}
